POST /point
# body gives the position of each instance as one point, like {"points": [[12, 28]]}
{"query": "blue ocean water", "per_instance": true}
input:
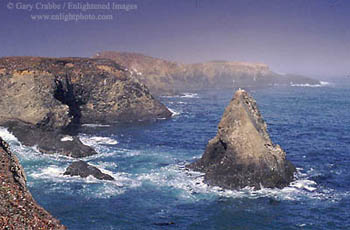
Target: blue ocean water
{"points": [[153, 188]]}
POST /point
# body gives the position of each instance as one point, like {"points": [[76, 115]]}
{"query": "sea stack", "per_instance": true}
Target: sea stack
{"points": [[18, 210], [242, 153]]}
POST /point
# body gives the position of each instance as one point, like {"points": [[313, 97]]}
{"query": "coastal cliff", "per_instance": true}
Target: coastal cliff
{"points": [[242, 153], [49, 97], [165, 77], [18, 209]]}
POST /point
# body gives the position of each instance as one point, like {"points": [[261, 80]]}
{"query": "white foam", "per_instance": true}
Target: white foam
{"points": [[308, 185], [95, 125], [190, 95], [92, 141], [170, 96], [50, 172], [7, 136], [104, 164], [184, 95], [53, 173], [67, 138], [322, 84], [174, 112], [129, 152], [191, 184]]}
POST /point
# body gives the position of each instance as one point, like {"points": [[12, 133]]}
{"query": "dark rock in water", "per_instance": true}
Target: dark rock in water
{"points": [[49, 142], [18, 209], [242, 153], [56, 95], [83, 169], [164, 224]]}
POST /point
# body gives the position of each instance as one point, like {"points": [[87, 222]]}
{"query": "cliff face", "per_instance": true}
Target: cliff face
{"points": [[164, 77], [242, 153], [53, 93], [18, 210], [41, 99], [222, 74], [157, 74]]}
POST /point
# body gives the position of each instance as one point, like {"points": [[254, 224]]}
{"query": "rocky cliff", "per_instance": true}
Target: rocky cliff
{"points": [[165, 77], [18, 210], [158, 74], [242, 153], [50, 96]]}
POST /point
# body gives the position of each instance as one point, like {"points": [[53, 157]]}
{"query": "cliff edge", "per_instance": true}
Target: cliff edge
{"points": [[18, 209], [44, 99], [165, 77]]}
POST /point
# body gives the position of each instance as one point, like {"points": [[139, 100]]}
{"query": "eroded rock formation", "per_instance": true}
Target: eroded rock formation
{"points": [[18, 209], [54, 95], [242, 153]]}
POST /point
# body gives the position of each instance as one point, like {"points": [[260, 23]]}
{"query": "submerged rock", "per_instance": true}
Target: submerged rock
{"points": [[242, 153], [83, 169], [18, 209], [164, 223]]}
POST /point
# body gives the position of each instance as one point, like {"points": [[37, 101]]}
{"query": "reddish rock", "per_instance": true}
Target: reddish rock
{"points": [[18, 209]]}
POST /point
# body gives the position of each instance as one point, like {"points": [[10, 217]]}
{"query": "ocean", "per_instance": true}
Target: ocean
{"points": [[153, 190]]}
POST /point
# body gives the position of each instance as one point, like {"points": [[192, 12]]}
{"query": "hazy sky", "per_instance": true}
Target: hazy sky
{"points": [[310, 37]]}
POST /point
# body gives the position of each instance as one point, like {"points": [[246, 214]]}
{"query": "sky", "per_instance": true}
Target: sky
{"points": [[309, 37]]}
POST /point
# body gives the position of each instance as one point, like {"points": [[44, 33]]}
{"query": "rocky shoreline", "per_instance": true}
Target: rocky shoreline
{"points": [[18, 209], [44, 102], [43, 99]]}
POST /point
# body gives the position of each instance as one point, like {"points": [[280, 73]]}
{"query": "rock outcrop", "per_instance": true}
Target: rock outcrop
{"points": [[157, 74], [165, 77], [83, 169], [18, 210], [242, 153], [49, 142], [54, 95]]}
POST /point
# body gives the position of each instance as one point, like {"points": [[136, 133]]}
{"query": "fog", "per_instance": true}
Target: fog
{"points": [[299, 36]]}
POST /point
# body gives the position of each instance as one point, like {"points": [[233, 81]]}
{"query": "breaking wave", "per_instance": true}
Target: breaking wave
{"points": [[174, 112], [191, 186], [322, 84], [96, 140], [190, 95]]}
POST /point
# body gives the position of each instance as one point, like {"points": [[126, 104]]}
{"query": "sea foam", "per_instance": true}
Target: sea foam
{"points": [[322, 84]]}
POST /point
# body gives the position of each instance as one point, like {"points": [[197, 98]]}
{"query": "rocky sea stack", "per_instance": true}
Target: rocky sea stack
{"points": [[18, 210], [242, 153], [49, 97]]}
